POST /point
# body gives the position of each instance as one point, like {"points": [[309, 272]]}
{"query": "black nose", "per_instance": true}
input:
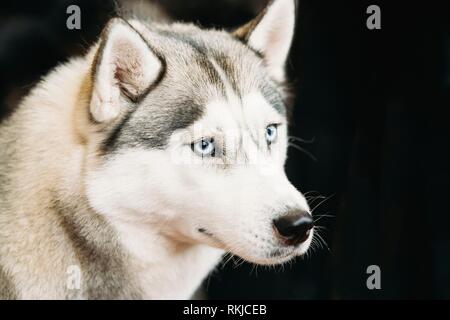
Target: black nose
{"points": [[293, 228]]}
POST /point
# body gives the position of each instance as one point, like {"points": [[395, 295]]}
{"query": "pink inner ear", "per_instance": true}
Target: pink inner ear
{"points": [[275, 36], [128, 73]]}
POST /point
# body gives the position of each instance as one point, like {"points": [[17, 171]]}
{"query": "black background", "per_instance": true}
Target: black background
{"points": [[373, 100]]}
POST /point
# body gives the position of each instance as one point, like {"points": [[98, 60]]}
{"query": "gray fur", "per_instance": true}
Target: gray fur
{"points": [[190, 79], [102, 260], [7, 290]]}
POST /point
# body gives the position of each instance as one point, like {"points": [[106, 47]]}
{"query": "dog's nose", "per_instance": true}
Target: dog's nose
{"points": [[294, 228]]}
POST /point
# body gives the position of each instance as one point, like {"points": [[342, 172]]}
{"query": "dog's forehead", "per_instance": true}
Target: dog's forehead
{"points": [[196, 58], [250, 112], [203, 68]]}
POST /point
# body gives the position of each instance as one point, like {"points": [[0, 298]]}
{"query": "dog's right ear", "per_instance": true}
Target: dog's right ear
{"points": [[125, 67], [271, 34]]}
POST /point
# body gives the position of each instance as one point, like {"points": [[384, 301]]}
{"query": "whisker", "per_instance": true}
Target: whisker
{"points": [[235, 260], [291, 144], [323, 216], [312, 199], [238, 262], [301, 139], [323, 241], [321, 202], [311, 191], [228, 259], [318, 243], [254, 268]]}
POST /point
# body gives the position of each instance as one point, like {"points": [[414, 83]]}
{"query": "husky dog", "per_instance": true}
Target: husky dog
{"points": [[129, 172]]}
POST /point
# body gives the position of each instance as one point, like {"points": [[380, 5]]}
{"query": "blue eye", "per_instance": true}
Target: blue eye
{"points": [[204, 147], [271, 133]]}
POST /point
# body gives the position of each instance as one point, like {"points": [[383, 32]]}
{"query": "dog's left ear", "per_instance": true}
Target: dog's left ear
{"points": [[125, 66], [271, 34]]}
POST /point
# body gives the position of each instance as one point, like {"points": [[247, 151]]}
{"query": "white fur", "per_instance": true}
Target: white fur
{"points": [[273, 36]]}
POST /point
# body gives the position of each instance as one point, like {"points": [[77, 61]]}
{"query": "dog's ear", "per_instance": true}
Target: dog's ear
{"points": [[271, 34], [125, 67]]}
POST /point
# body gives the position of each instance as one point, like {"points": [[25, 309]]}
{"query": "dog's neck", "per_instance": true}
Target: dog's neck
{"points": [[165, 267]]}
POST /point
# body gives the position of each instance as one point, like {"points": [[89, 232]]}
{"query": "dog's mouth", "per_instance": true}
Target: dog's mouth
{"points": [[281, 253], [208, 234], [274, 256], [205, 232]]}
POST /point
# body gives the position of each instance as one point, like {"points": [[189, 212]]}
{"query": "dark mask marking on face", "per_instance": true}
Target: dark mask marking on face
{"points": [[274, 97]]}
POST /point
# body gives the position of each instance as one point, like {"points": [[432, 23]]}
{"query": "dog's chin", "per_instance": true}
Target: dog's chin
{"points": [[271, 261], [273, 256], [277, 256]]}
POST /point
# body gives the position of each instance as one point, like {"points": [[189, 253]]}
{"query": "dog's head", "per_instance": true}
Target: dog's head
{"points": [[191, 134]]}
